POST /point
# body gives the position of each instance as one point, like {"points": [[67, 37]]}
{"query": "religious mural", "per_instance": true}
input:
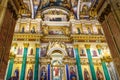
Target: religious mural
{"points": [[16, 73], [94, 53], [82, 52], [43, 52], [29, 74], [99, 74], [31, 51], [56, 71], [70, 52], [86, 74], [43, 73], [19, 51], [73, 75], [74, 4]]}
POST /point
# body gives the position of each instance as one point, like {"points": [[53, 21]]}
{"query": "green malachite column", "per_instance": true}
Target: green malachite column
{"points": [[36, 68], [11, 62], [10, 67], [90, 62], [107, 76], [22, 75], [78, 63]]}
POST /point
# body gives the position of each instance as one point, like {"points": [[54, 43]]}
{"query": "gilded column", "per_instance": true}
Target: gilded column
{"points": [[78, 63], [107, 76], [87, 46], [36, 68], [22, 75], [11, 62], [3, 7]]}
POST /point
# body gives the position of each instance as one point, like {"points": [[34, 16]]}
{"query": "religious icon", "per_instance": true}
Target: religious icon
{"points": [[56, 70], [78, 29], [19, 52], [85, 10], [86, 74], [94, 53], [16, 73], [56, 73], [89, 31], [74, 4], [43, 52], [23, 29], [33, 30], [70, 52], [30, 74], [43, 74], [31, 51], [82, 52], [99, 74], [72, 74]]}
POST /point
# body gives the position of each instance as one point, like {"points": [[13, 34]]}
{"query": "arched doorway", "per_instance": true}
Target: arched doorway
{"points": [[57, 64]]}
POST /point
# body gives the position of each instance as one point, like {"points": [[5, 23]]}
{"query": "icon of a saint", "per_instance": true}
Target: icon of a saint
{"points": [[30, 74], [86, 74]]}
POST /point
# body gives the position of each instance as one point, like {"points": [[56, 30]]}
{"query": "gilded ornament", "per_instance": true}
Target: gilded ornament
{"points": [[87, 46], [26, 45]]}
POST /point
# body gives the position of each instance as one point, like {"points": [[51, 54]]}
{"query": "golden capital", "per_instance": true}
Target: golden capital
{"points": [[37, 45], [26, 45], [75, 45], [12, 55], [87, 46], [98, 46], [15, 44]]}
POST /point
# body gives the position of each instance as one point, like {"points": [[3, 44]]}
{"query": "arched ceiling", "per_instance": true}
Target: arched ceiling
{"points": [[74, 6]]}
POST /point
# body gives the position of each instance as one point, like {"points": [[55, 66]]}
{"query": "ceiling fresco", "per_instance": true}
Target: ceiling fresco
{"points": [[79, 8]]}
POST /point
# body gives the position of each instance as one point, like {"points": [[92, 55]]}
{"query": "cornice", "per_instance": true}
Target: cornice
{"points": [[88, 38], [26, 37], [62, 38]]}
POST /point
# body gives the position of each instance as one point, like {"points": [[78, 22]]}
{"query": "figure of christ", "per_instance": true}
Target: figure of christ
{"points": [[56, 70], [99, 74], [30, 74], [86, 74]]}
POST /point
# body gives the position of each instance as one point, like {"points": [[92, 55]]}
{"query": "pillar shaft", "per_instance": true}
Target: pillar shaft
{"points": [[22, 75], [107, 76], [48, 71], [78, 64], [10, 67], [67, 72], [36, 64], [90, 62]]}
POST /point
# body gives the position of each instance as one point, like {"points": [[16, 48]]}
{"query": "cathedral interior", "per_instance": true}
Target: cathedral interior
{"points": [[59, 39]]}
